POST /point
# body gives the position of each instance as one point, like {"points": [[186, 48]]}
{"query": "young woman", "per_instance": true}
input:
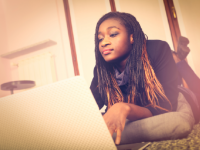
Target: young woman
{"points": [[137, 79]]}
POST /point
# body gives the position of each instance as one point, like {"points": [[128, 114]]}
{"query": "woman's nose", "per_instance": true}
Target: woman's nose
{"points": [[105, 42]]}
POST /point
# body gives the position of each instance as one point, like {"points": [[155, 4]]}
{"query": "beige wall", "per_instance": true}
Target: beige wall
{"points": [[151, 15], [189, 21], [3, 35], [85, 15], [4, 73]]}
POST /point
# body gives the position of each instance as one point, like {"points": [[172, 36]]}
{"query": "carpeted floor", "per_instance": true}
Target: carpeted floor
{"points": [[192, 142]]}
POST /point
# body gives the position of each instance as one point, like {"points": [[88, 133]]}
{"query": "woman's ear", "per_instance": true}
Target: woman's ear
{"points": [[131, 39]]}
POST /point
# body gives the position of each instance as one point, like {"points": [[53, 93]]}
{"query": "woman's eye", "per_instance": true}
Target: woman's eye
{"points": [[113, 35], [100, 40]]}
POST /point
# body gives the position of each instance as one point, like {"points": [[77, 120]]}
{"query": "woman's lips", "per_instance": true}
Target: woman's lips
{"points": [[106, 51]]}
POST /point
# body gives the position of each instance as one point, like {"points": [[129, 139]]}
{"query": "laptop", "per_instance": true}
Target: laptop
{"points": [[61, 115]]}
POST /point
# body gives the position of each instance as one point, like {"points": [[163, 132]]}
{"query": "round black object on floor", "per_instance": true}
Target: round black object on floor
{"points": [[17, 85]]}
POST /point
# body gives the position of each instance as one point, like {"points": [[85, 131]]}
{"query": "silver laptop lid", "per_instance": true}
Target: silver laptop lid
{"points": [[62, 115]]}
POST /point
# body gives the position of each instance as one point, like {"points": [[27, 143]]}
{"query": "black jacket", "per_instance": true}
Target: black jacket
{"points": [[161, 59]]}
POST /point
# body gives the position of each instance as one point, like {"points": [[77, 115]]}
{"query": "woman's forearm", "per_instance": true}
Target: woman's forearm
{"points": [[135, 112]]}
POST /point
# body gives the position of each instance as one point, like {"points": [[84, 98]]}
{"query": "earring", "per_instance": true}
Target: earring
{"points": [[131, 39]]}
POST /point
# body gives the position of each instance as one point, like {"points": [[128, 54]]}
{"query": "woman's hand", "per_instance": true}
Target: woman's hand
{"points": [[116, 116], [115, 119]]}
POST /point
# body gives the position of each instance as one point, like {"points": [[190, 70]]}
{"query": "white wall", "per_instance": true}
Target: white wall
{"points": [[3, 35], [4, 75], [4, 72], [29, 22], [85, 14], [151, 15]]}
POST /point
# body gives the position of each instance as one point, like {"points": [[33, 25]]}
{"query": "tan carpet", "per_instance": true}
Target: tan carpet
{"points": [[192, 142]]}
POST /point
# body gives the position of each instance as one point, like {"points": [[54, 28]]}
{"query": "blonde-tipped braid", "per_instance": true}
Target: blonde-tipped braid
{"points": [[153, 88]]}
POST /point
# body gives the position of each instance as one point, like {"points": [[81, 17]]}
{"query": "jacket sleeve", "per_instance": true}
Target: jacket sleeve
{"points": [[166, 72], [95, 90]]}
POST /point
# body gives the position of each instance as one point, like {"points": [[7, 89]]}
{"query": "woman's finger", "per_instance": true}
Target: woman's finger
{"points": [[118, 137], [111, 130]]}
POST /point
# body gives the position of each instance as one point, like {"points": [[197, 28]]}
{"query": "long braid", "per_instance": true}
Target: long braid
{"points": [[143, 86]]}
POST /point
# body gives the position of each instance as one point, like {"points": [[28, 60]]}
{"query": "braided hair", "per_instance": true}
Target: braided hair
{"points": [[143, 86]]}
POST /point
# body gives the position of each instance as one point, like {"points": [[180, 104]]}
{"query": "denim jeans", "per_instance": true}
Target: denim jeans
{"points": [[166, 126]]}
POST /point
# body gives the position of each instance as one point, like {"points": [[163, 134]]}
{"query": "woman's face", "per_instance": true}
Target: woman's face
{"points": [[114, 42]]}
